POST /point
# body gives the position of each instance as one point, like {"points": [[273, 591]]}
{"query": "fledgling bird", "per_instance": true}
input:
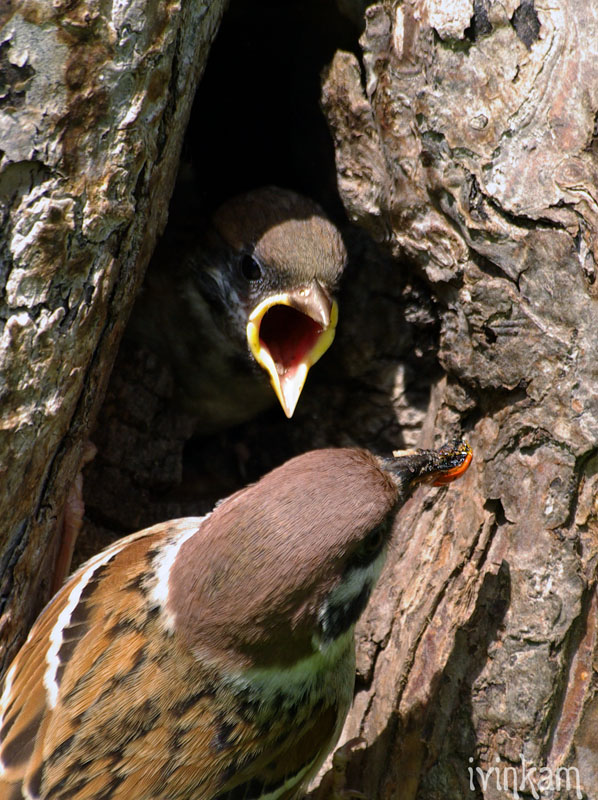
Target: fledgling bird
{"points": [[245, 302], [210, 658]]}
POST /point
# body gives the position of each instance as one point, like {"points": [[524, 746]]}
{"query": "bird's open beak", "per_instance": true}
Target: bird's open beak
{"points": [[287, 333]]}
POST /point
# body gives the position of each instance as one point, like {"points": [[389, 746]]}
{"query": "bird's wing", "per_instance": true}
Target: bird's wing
{"points": [[103, 701], [81, 645], [290, 753]]}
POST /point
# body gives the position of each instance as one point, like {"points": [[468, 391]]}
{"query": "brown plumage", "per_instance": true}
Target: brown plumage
{"points": [[209, 658]]}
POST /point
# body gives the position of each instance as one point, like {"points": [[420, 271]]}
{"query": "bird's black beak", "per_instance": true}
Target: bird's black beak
{"points": [[287, 333]]}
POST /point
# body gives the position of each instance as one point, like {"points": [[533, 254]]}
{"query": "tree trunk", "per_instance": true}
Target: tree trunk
{"points": [[94, 103], [471, 147]]}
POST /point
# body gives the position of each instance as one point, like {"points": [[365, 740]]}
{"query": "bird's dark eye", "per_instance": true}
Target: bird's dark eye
{"points": [[369, 549], [251, 268]]}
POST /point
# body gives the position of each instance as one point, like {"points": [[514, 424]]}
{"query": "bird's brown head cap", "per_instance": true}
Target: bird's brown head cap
{"points": [[287, 540], [292, 256], [287, 229], [292, 559]]}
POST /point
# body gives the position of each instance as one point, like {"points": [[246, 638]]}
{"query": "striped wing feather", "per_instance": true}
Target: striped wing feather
{"points": [[117, 708], [39, 733]]}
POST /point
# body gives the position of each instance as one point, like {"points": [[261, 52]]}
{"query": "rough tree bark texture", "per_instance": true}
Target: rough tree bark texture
{"points": [[93, 105], [471, 145]]}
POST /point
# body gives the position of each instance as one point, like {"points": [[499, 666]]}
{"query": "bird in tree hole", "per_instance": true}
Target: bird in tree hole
{"points": [[242, 309]]}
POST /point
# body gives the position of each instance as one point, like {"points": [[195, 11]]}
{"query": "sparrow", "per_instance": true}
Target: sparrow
{"points": [[210, 658], [245, 302]]}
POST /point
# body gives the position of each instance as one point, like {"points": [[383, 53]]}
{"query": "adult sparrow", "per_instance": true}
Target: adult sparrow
{"points": [[210, 658]]}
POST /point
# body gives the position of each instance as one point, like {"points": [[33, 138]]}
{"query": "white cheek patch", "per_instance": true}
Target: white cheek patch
{"points": [[51, 681]]}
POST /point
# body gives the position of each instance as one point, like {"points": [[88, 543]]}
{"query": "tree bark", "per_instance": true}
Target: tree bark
{"points": [[470, 146], [95, 99]]}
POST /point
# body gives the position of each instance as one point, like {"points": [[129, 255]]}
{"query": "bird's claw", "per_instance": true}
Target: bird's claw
{"points": [[72, 519], [340, 760]]}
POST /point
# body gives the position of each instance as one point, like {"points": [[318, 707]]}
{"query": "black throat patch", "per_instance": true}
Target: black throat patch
{"points": [[339, 617]]}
